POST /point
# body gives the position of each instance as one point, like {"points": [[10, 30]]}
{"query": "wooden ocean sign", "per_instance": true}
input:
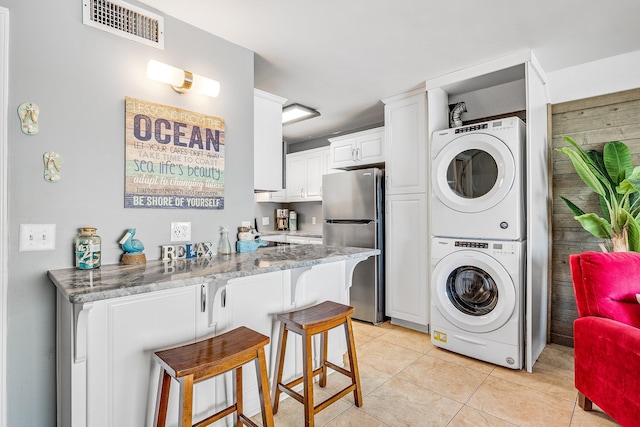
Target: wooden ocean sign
{"points": [[174, 158]]}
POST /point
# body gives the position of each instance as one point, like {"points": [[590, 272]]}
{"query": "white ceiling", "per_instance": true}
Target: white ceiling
{"points": [[343, 56]]}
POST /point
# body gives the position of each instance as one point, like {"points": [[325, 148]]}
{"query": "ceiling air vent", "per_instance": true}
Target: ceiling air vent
{"points": [[125, 20]]}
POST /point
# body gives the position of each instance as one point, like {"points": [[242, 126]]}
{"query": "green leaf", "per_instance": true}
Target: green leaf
{"points": [[584, 171], [595, 225], [574, 209], [629, 186], [596, 159], [570, 140], [633, 234], [604, 208], [617, 161]]}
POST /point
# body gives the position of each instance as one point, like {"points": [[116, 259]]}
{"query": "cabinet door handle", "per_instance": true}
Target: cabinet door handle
{"points": [[203, 298], [353, 154], [357, 154], [302, 193]]}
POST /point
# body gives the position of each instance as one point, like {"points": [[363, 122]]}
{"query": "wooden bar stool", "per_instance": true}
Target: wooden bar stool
{"points": [[208, 358], [307, 322]]}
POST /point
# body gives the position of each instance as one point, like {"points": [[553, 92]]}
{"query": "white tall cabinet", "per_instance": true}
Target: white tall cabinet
{"points": [[406, 232], [267, 141]]}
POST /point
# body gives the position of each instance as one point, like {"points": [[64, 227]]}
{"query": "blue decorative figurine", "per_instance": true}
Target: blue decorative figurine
{"points": [[133, 249]]}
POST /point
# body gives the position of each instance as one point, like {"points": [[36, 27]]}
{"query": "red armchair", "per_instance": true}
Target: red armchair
{"points": [[607, 333]]}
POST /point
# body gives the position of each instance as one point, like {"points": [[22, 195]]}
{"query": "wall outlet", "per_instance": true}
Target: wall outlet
{"points": [[265, 220], [313, 220], [37, 237], [180, 231]]}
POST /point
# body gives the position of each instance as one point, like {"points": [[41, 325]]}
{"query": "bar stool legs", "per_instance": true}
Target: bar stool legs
{"points": [[206, 359], [308, 322]]}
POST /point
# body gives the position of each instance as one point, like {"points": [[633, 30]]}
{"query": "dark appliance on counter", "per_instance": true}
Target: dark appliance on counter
{"points": [[352, 208], [282, 219]]}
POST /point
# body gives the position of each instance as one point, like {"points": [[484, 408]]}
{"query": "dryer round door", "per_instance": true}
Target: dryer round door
{"points": [[473, 173], [473, 291]]}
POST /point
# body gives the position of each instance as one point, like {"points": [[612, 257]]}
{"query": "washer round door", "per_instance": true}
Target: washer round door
{"points": [[473, 173], [473, 291]]}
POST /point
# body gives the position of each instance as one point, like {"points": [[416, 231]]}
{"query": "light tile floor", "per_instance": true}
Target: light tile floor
{"points": [[407, 381]]}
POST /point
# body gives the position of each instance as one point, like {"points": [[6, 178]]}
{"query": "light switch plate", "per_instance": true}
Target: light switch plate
{"points": [[37, 237], [265, 220]]}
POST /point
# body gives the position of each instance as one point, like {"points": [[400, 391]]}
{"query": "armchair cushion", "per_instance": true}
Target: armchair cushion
{"points": [[606, 285]]}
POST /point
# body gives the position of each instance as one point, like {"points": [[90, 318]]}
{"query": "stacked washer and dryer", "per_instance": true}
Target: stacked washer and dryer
{"points": [[478, 223]]}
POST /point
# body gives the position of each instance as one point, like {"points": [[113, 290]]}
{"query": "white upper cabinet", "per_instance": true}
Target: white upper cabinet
{"points": [[267, 141], [405, 140], [357, 149], [304, 175]]}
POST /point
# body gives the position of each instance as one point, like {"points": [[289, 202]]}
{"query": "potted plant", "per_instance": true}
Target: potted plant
{"points": [[611, 175]]}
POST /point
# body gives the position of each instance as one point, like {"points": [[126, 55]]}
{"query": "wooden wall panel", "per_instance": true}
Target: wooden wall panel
{"points": [[591, 123]]}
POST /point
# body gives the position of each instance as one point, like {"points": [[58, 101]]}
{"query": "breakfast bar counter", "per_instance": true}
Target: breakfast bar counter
{"points": [[112, 319], [111, 281]]}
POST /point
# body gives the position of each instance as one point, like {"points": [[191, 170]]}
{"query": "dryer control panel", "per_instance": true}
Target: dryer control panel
{"points": [[463, 244]]}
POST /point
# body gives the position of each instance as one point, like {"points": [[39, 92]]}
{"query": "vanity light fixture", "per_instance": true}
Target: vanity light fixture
{"points": [[182, 80], [296, 112]]}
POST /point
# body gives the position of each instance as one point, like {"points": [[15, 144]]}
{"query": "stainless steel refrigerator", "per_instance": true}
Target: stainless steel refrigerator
{"points": [[352, 208]]}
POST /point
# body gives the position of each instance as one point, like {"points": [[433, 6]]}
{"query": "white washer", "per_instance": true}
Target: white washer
{"points": [[477, 294], [478, 181]]}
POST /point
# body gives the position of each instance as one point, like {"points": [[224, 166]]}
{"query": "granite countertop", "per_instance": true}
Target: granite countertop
{"points": [[112, 281]]}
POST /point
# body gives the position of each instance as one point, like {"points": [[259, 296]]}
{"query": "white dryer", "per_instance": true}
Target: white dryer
{"points": [[477, 297], [477, 181]]}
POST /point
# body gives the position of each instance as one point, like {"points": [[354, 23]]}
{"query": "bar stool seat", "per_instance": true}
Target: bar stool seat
{"points": [[205, 359], [318, 319]]}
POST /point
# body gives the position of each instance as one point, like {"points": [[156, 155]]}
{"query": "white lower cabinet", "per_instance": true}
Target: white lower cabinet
{"points": [[301, 240], [123, 333], [254, 302], [406, 276], [311, 288]]}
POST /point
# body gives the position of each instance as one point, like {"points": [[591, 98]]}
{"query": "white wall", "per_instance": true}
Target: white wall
{"points": [[493, 100], [79, 76], [609, 75]]}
